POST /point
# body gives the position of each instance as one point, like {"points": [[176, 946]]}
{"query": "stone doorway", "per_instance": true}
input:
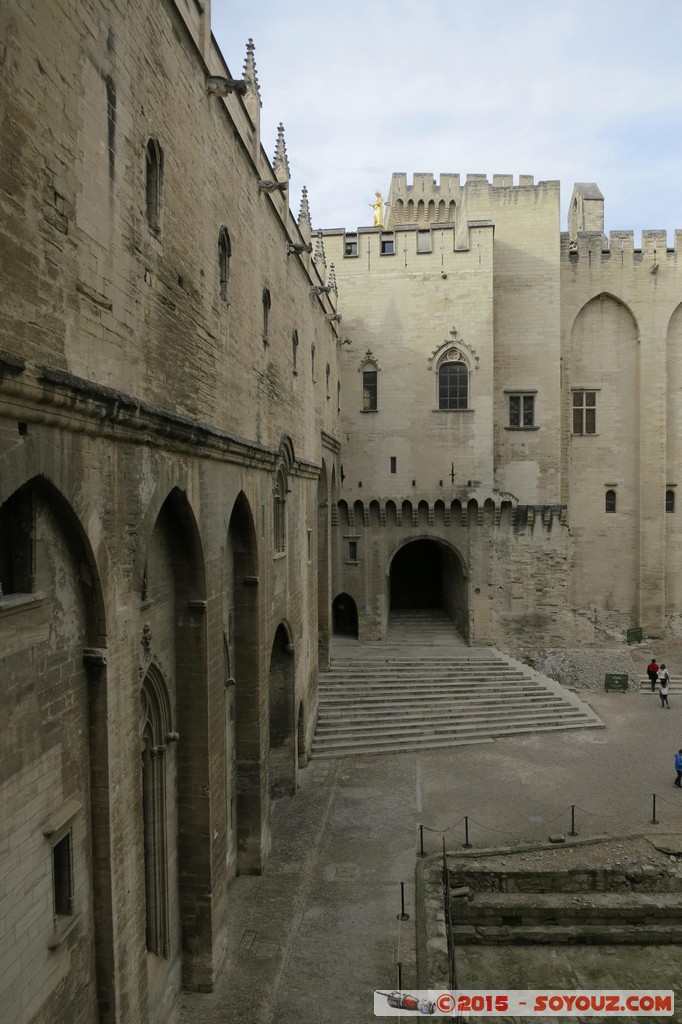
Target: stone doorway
{"points": [[345, 616], [428, 576]]}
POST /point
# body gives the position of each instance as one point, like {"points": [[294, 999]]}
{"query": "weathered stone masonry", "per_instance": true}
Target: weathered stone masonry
{"points": [[167, 463]]}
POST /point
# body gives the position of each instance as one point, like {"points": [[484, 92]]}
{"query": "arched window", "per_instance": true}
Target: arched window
{"points": [[370, 392], [267, 303], [155, 730], [453, 384], [670, 501], [154, 181], [224, 254], [610, 501], [294, 351]]}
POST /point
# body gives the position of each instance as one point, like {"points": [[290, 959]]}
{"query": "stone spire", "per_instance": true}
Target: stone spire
{"points": [[280, 164], [304, 223], [304, 212], [252, 100], [319, 257]]}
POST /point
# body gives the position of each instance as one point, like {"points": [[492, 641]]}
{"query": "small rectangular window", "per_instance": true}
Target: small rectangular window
{"points": [[350, 249], [62, 876], [584, 412], [352, 551], [387, 247], [521, 411], [394, 464]]}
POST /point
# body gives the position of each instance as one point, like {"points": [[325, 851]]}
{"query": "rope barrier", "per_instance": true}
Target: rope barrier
{"points": [[542, 826]]}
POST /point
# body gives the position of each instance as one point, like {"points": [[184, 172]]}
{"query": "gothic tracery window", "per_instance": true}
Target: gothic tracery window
{"points": [[453, 383], [154, 730]]}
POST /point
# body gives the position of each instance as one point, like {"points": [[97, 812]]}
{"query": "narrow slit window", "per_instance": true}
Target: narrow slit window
{"points": [[224, 254], [62, 876], [610, 501], [267, 304], [670, 501], [154, 180]]}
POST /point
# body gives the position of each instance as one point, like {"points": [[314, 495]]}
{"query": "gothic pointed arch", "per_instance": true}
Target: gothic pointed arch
{"points": [[173, 637], [282, 761], [244, 742], [54, 704], [601, 429]]}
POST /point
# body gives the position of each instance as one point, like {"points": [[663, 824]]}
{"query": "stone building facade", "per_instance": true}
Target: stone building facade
{"points": [[203, 474], [168, 456], [511, 415]]}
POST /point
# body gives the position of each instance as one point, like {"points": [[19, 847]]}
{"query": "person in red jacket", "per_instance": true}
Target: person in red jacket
{"points": [[652, 672]]}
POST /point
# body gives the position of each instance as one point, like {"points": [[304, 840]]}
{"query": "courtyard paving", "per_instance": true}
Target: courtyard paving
{"points": [[310, 939]]}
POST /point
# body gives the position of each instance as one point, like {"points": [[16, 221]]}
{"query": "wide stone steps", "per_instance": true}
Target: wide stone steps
{"points": [[388, 699]]}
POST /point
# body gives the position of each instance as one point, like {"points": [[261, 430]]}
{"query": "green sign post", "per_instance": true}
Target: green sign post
{"points": [[616, 681]]}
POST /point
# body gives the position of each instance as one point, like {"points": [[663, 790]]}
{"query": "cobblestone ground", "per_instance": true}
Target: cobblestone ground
{"points": [[310, 939]]}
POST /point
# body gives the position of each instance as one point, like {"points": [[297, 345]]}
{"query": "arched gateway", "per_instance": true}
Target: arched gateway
{"points": [[428, 574]]}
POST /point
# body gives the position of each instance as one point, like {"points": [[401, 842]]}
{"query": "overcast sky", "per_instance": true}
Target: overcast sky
{"points": [[586, 90]]}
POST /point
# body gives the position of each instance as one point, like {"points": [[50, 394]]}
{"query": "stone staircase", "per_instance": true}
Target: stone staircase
{"points": [[430, 690]]}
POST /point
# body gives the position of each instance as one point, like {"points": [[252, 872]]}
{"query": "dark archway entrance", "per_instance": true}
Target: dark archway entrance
{"points": [[426, 574], [417, 576], [282, 736], [344, 616]]}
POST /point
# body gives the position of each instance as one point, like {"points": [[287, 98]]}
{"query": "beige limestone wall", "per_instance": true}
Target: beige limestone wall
{"points": [[155, 410], [630, 348]]}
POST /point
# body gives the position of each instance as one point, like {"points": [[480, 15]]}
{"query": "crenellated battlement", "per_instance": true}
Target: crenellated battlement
{"points": [[592, 245], [503, 515], [425, 200]]}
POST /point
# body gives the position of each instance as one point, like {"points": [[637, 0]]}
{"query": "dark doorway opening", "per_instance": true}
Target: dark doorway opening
{"points": [[417, 576], [344, 616]]}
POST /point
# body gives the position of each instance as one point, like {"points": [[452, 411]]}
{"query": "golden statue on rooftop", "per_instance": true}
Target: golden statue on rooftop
{"points": [[378, 207]]}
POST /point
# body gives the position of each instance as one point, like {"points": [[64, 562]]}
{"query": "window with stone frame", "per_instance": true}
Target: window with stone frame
{"points": [[279, 509], [294, 352], [670, 500], [267, 305], [370, 393], [521, 410], [584, 412], [610, 501], [453, 384], [62, 876]]}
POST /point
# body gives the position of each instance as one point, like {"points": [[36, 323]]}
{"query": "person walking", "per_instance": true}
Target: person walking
{"points": [[678, 768], [652, 672], [664, 688]]}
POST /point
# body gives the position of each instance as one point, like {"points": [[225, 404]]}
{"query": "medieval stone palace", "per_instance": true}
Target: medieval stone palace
{"points": [[225, 436]]}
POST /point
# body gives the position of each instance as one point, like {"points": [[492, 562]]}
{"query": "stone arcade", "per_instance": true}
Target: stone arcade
{"points": [[197, 481]]}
